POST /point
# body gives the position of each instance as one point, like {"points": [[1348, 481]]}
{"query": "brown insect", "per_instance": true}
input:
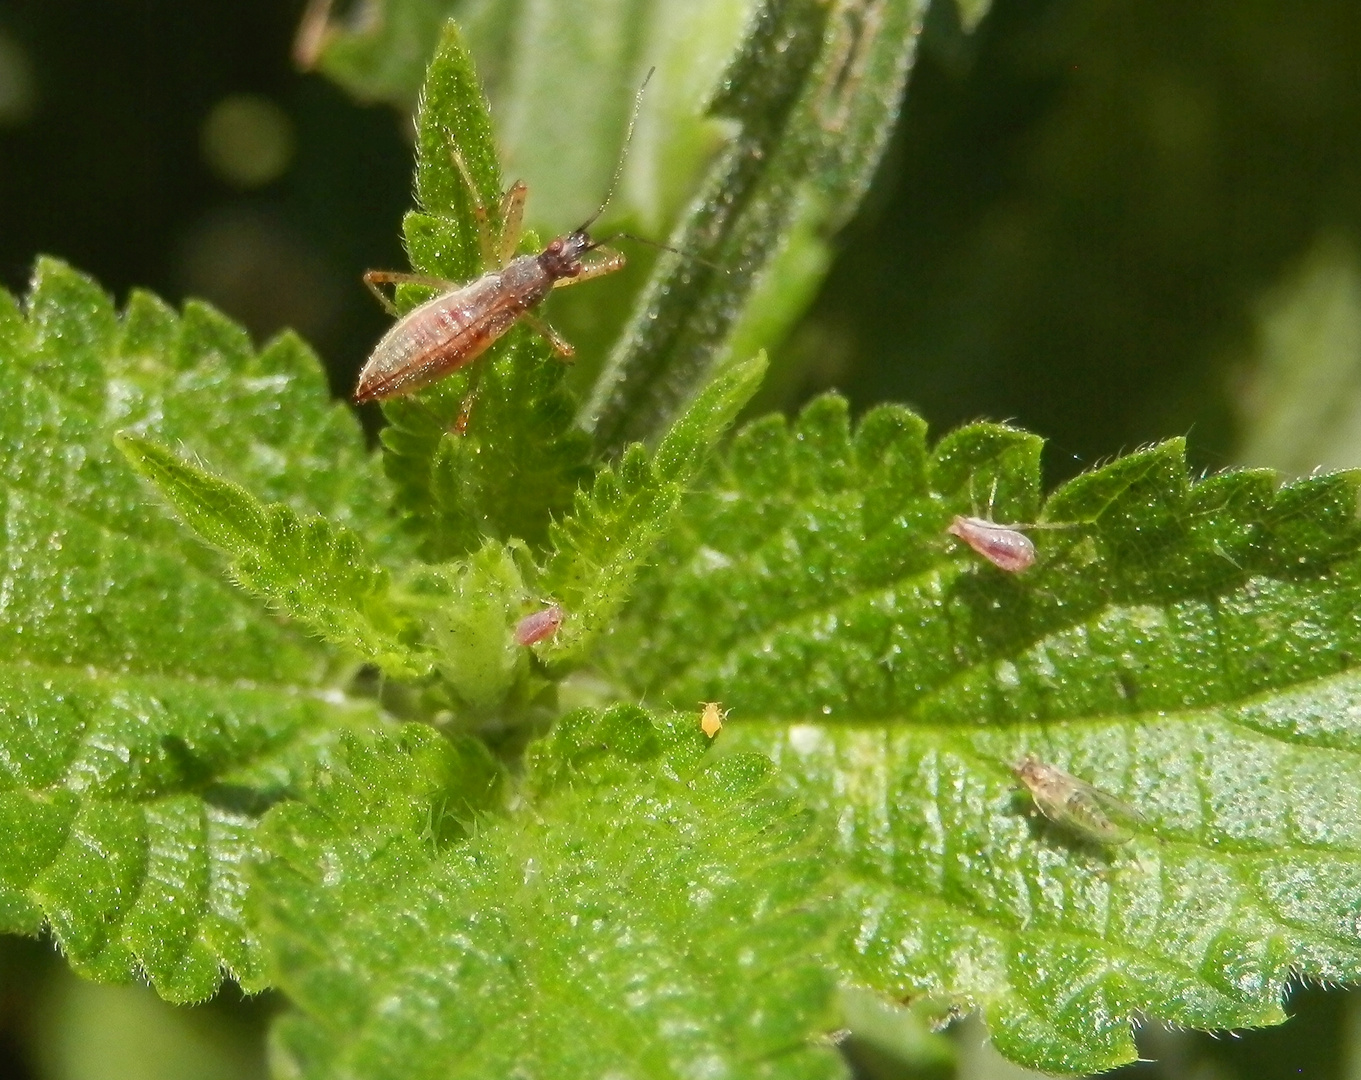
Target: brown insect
{"points": [[457, 326], [1075, 804]]}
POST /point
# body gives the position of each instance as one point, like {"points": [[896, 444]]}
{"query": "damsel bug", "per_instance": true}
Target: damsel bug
{"points": [[457, 326], [1074, 804]]}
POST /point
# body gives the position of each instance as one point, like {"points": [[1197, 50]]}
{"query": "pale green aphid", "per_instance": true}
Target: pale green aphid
{"points": [[1075, 804]]}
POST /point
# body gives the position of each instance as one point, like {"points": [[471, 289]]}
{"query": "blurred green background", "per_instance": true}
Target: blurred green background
{"points": [[1109, 222]]}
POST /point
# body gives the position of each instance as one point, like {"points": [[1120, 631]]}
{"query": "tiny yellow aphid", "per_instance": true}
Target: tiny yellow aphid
{"points": [[1075, 804], [711, 719]]}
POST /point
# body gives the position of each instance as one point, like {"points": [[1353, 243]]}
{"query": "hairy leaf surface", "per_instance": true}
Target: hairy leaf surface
{"points": [[149, 709], [1190, 648], [309, 569], [647, 916], [599, 550]]}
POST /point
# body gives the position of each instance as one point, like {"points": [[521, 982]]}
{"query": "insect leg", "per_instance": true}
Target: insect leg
{"points": [[561, 345], [485, 240], [608, 262], [512, 217], [374, 278], [465, 413]]}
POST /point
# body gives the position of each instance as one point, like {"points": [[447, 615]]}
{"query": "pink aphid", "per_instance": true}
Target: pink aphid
{"points": [[542, 624], [1005, 546]]}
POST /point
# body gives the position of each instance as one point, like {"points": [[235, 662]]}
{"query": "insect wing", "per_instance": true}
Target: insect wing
{"points": [[1076, 805], [1108, 803], [436, 338], [1087, 811]]}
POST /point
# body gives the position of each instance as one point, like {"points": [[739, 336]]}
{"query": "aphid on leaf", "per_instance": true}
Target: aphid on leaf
{"points": [[1005, 546], [1074, 804], [534, 628], [457, 326], [711, 719]]}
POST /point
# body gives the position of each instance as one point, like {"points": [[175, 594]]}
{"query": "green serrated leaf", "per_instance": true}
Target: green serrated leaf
{"points": [[814, 89], [150, 711], [1188, 648], [639, 921], [309, 569], [266, 418], [453, 113], [599, 550], [130, 804], [514, 466], [93, 576]]}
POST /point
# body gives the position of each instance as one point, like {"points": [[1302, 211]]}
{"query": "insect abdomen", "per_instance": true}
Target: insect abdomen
{"points": [[454, 329]]}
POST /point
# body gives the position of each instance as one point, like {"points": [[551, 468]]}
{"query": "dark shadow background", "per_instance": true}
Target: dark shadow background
{"points": [[107, 172], [1079, 209], [1082, 204]]}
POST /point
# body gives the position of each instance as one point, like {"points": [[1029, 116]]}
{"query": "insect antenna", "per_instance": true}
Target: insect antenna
{"points": [[663, 247], [623, 153]]}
